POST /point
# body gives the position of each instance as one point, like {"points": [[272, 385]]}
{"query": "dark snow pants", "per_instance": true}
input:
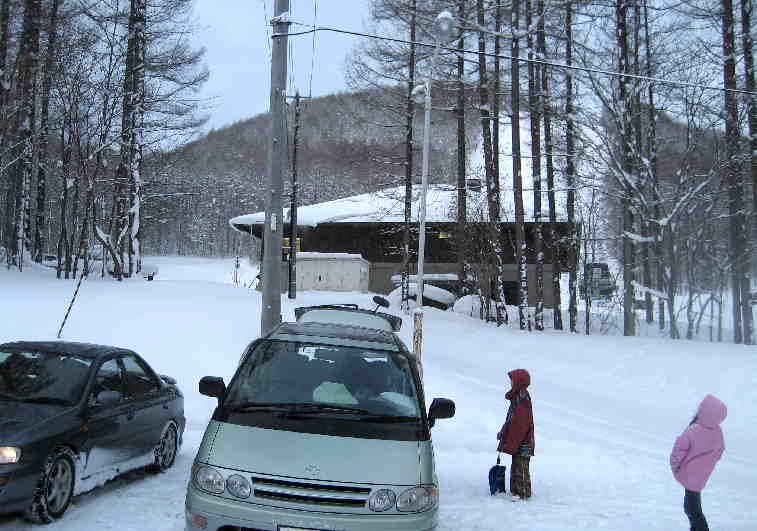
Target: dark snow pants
{"points": [[692, 506], [520, 477]]}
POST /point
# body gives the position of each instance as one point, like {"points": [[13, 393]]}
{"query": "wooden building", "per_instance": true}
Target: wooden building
{"points": [[372, 225]]}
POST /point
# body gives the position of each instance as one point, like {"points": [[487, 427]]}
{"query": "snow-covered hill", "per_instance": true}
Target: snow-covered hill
{"points": [[607, 409]]}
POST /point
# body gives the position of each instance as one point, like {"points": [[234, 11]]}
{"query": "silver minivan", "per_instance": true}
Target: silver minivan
{"points": [[323, 427]]}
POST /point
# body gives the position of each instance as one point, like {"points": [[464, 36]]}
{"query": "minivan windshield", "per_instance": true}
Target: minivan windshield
{"points": [[315, 379]]}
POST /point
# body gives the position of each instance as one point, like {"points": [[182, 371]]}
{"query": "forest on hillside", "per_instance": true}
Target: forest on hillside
{"points": [[344, 149]]}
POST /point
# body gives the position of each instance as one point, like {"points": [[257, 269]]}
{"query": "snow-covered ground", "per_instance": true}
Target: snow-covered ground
{"points": [[607, 409]]}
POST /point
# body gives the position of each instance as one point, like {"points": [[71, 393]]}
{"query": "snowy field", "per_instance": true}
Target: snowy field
{"points": [[607, 409]]}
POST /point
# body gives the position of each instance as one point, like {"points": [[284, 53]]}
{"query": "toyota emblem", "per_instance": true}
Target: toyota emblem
{"points": [[312, 470]]}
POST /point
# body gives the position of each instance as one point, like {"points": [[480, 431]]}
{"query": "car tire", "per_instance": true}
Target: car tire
{"points": [[55, 488], [166, 449]]}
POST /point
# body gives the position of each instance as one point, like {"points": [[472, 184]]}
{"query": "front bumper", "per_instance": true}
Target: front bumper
{"points": [[16, 495], [219, 512]]}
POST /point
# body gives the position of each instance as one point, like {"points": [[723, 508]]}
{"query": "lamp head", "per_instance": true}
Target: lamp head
{"points": [[444, 26]]}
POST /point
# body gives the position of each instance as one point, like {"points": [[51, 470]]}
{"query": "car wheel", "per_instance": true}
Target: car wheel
{"points": [[166, 449], [55, 488]]}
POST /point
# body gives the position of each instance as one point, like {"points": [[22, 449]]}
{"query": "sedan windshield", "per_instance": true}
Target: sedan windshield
{"points": [[311, 379], [42, 377]]}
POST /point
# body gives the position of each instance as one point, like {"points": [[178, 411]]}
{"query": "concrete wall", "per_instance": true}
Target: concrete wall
{"points": [[332, 274]]}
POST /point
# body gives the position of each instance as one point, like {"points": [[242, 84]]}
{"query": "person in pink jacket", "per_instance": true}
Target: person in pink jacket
{"points": [[694, 455]]}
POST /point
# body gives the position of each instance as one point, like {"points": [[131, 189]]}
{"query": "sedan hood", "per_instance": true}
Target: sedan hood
{"points": [[311, 456], [19, 420]]}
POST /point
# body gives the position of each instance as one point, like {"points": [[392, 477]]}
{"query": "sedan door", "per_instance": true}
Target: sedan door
{"points": [[149, 405], [106, 424]]}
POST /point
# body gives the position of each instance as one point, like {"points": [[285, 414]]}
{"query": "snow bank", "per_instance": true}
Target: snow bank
{"points": [[442, 296], [471, 305]]}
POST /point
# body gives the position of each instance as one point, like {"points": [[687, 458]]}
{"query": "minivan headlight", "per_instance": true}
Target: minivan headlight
{"points": [[9, 455], [238, 486], [382, 500], [209, 479], [417, 499]]}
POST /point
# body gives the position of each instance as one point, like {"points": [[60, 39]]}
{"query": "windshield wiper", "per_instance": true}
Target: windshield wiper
{"points": [[246, 406], [389, 418], [298, 407]]}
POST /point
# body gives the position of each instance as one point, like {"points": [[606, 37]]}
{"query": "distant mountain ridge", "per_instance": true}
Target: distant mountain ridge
{"points": [[345, 147]]}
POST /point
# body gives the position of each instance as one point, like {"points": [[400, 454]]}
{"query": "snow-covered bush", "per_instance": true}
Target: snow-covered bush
{"points": [[471, 305]]}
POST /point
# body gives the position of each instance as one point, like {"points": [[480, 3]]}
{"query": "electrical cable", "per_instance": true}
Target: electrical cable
{"points": [[610, 73], [291, 83], [312, 52], [265, 29]]}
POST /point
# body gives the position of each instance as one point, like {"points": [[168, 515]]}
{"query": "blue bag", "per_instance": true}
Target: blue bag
{"points": [[497, 478]]}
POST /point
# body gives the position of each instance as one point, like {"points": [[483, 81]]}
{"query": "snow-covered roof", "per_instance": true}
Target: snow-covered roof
{"points": [[388, 206], [328, 256]]}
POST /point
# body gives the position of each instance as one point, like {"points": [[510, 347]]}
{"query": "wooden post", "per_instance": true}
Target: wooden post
{"points": [[418, 337]]}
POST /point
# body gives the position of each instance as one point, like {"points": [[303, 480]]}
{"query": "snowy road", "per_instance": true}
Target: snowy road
{"points": [[607, 409]]}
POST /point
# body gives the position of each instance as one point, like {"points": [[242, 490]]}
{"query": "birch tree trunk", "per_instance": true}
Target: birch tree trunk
{"points": [[123, 187], [462, 192], [524, 319], [44, 131], [492, 180], [742, 322], [548, 148], [534, 107], [27, 73], [63, 241], [639, 165], [748, 44], [625, 170], [652, 170], [10, 194], [498, 234], [137, 136], [570, 170], [409, 121]]}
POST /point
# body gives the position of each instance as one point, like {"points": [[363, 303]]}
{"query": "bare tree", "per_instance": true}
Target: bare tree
{"points": [[524, 318]]}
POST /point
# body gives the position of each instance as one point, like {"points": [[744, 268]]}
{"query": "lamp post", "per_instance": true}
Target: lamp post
{"points": [[442, 31]]}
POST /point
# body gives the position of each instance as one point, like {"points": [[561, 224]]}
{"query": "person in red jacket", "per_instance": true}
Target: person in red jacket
{"points": [[517, 434]]}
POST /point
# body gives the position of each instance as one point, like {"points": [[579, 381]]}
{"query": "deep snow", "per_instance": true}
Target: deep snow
{"points": [[607, 409]]}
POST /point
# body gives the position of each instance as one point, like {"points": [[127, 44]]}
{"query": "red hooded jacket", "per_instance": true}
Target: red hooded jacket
{"points": [[520, 427]]}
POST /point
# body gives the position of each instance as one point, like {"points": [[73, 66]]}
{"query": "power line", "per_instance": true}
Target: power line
{"points": [[292, 82], [312, 52], [520, 59], [265, 28]]}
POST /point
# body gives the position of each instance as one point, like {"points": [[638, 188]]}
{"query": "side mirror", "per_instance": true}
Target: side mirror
{"points": [[212, 386], [441, 408], [108, 398], [168, 379], [381, 301]]}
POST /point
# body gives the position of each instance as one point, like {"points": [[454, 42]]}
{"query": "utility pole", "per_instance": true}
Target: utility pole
{"points": [[293, 206], [270, 315]]}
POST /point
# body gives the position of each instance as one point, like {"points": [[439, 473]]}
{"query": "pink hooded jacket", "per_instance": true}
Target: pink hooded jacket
{"points": [[699, 447]]}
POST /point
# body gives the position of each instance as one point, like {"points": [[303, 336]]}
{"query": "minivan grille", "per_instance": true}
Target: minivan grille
{"points": [[309, 493]]}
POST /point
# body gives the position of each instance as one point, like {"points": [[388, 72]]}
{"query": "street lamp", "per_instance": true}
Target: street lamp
{"points": [[442, 31]]}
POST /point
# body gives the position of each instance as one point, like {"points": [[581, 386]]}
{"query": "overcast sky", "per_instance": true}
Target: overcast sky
{"points": [[237, 37]]}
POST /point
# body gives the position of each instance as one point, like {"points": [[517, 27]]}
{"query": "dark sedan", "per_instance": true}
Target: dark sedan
{"points": [[74, 415]]}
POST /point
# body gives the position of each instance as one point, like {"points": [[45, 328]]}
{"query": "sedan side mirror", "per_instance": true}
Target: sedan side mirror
{"points": [[213, 386], [108, 398], [441, 408]]}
